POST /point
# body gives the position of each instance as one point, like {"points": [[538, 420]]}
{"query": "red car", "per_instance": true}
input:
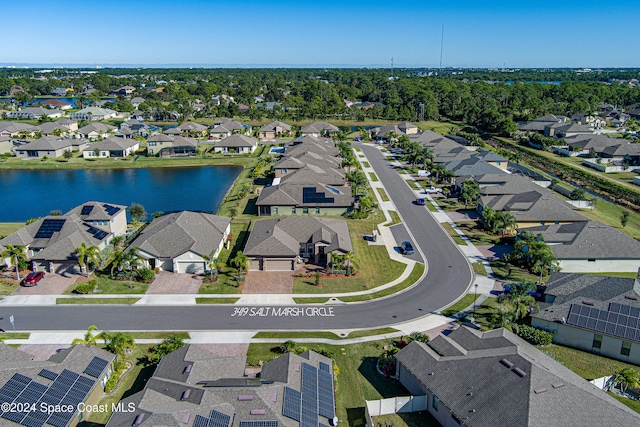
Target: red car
{"points": [[32, 279]]}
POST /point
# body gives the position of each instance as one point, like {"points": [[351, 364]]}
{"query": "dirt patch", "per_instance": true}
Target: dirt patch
{"points": [[268, 282], [52, 284], [174, 283]]}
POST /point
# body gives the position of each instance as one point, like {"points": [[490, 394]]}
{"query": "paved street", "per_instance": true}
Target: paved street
{"points": [[448, 277]]}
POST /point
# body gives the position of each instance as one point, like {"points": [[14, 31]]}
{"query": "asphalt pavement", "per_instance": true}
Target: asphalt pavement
{"points": [[448, 277]]}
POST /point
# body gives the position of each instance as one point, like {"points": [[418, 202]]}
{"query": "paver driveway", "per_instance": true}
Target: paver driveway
{"points": [[175, 283], [52, 284], [268, 282]]}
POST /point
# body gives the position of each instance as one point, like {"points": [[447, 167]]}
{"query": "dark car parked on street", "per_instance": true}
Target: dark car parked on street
{"points": [[406, 248]]}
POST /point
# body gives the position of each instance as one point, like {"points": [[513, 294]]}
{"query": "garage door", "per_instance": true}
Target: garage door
{"points": [[190, 267], [278, 265], [256, 265]]}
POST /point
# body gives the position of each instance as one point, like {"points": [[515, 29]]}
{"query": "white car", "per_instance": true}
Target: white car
{"points": [[433, 190]]}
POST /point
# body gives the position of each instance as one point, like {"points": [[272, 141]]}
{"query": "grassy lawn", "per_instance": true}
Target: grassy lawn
{"points": [[366, 164], [383, 195], [16, 336], [609, 213], [453, 233], [430, 206], [627, 275], [476, 234], [325, 335], [216, 300], [395, 218], [501, 272], [159, 335], [108, 286], [587, 365], [416, 273], [451, 204], [479, 268], [132, 382], [373, 177], [633, 404], [226, 283], [7, 288], [357, 381], [88, 301], [465, 302], [319, 300], [412, 184], [7, 228], [373, 263], [487, 314]]}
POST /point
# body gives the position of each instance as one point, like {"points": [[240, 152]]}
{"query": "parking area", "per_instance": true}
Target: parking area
{"points": [[268, 282], [175, 283], [52, 284]]}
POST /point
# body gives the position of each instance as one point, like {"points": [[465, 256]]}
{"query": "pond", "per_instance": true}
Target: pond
{"points": [[31, 194]]}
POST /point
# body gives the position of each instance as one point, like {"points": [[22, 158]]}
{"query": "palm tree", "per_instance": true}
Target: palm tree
{"points": [[505, 221], [350, 260], [418, 336], [118, 242], [87, 253], [625, 378], [15, 254], [212, 263], [488, 218], [117, 260], [240, 261], [348, 163], [118, 342], [470, 191], [132, 259], [89, 338]]}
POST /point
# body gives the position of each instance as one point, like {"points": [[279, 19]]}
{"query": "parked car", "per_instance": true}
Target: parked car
{"points": [[33, 278], [419, 201], [406, 248], [433, 190], [358, 139]]}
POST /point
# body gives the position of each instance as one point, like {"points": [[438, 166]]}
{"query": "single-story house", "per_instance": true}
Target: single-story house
{"points": [[276, 244], [56, 103], [311, 174], [494, 378], [319, 129], [94, 131], [226, 128], [538, 125], [34, 113], [193, 128], [236, 144], [170, 146], [304, 199], [590, 247], [566, 130], [289, 164], [178, 241], [273, 130], [311, 144], [111, 147], [472, 166], [14, 129], [76, 376], [49, 146], [195, 387], [136, 101], [51, 241], [596, 314], [93, 113]]}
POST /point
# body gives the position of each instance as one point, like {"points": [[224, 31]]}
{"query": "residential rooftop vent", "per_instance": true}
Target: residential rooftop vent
{"points": [[245, 397], [519, 372], [185, 418], [187, 369], [274, 397], [631, 297], [539, 390], [138, 420], [587, 302], [185, 394], [258, 412], [506, 363], [558, 385]]}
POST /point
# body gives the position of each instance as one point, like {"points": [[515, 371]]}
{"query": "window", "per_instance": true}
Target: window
{"points": [[305, 210], [293, 210], [152, 144], [317, 210], [626, 348], [284, 170], [275, 210], [591, 260], [597, 341], [435, 403]]}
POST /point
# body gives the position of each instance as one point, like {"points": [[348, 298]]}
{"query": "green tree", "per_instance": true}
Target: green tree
{"points": [[624, 218], [89, 338], [118, 342], [288, 346], [470, 191], [15, 254], [137, 212], [212, 264], [625, 378], [168, 345], [418, 336], [240, 261], [67, 154], [505, 221], [85, 254]]}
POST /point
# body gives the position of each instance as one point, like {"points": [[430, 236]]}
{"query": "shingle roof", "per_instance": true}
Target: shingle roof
{"points": [[536, 205], [47, 143], [176, 233], [112, 143], [471, 167], [282, 236], [271, 127], [96, 127], [237, 140], [318, 127], [310, 174], [291, 194], [477, 387]]}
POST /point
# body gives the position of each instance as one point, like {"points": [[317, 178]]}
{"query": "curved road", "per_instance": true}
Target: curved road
{"points": [[449, 275]]}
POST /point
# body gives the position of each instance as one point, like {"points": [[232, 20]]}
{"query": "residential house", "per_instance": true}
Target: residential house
{"points": [[193, 128], [35, 113], [493, 158], [16, 129], [590, 247], [137, 101], [472, 166], [311, 144], [538, 125], [310, 174], [93, 113], [589, 120], [6, 145], [52, 128], [15, 89], [587, 145], [93, 131], [74, 377], [470, 378], [112, 146], [273, 130], [125, 90], [133, 128], [566, 130], [624, 154], [60, 91], [319, 129], [47, 146], [51, 241], [224, 128], [289, 164], [277, 244], [179, 241], [236, 144], [195, 387], [408, 128], [304, 199], [596, 314], [56, 103], [269, 106], [171, 146]]}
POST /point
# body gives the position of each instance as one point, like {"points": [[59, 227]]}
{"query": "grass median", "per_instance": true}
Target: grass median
{"points": [[216, 300], [98, 301], [453, 233]]}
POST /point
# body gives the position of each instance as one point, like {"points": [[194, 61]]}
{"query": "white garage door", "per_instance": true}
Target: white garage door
{"points": [[278, 265], [190, 267], [256, 265]]}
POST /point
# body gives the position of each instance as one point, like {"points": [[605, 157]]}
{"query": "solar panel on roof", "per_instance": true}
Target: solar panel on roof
{"points": [[259, 423], [35, 419], [614, 307], [324, 367], [49, 227], [16, 417], [218, 419], [50, 375], [201, 421], [111, 210], [96, 232], [96, 366], [86, 210], [291, 405], [21, 378]]}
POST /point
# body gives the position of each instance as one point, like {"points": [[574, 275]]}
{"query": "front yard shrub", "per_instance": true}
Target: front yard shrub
{"points": [[533, 335], [146, 275], [85, 288]]}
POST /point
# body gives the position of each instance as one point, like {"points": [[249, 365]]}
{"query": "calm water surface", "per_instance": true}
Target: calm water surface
{"points": [[29, 194]]}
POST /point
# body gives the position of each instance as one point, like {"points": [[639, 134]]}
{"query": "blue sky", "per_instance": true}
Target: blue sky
{"points": [[324, 33]]}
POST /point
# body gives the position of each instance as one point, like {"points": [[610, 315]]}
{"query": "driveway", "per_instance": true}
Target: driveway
{"points": [[52, 284], [495, 252], [175, 283], [268, 282]]}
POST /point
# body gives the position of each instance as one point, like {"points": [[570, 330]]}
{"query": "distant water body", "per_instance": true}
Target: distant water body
{"points": [[31, 194]]}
